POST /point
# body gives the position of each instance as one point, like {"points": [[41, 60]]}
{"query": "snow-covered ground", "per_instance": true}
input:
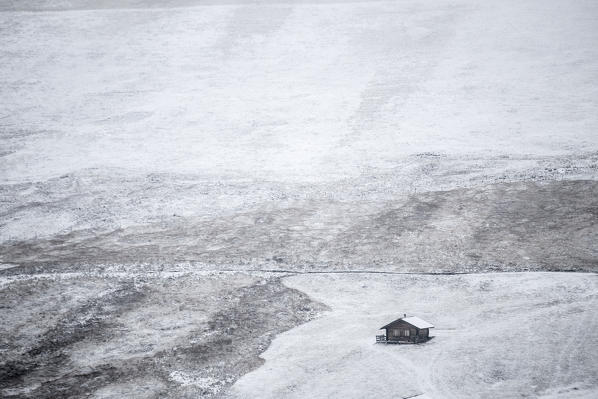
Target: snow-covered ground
{"points": [[146, 144], [497, 336], [293, 92], [115, 114]]}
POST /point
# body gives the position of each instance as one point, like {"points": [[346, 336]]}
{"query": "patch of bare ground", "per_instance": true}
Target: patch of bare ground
{"points": [[501, 227], [160, 336]]}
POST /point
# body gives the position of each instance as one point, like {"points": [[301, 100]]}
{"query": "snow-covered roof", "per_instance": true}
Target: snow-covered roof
{"points": [[417, 322], [414, 321]]}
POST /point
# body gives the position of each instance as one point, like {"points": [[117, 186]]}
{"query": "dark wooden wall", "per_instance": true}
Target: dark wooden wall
{"points": [[403, 326]]}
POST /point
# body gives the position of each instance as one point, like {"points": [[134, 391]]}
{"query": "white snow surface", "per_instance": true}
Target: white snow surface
{"points": [[122, 113], [497, 335], [290, 91]]}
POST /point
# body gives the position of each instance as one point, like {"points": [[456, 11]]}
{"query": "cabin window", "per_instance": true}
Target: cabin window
{"points": [[406, 333], [396, 333]]}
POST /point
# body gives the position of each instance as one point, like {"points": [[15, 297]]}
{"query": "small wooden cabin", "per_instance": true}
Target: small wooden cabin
{"points": [[405, 330]]}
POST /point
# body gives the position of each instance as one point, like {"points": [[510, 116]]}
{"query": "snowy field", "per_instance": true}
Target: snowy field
{"points": [[305, 92], [115, 114], [189, 335], [497, 336], [182, 181]]}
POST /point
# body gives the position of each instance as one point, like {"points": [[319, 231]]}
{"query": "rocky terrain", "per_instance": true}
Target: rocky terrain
{"points": [[144, 335]]}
